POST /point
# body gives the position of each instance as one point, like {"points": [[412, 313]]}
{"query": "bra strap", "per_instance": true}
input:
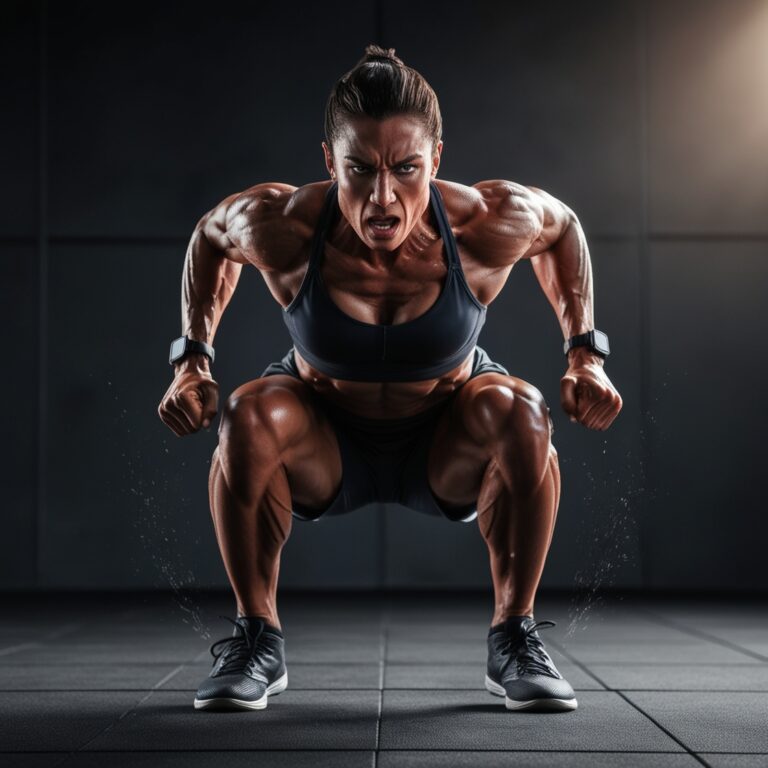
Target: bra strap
{"points": [[323, 224], [445, 228]]}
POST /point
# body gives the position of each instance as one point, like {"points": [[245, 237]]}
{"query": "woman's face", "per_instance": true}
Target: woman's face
{"points": [[383, 168]]}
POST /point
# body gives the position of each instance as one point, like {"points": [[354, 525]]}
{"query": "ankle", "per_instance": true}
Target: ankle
{"points": [[270, 620], [501, 616]]}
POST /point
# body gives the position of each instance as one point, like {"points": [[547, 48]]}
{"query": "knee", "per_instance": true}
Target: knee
{"points": [[532, 415], [513, 412], [260, 414]]}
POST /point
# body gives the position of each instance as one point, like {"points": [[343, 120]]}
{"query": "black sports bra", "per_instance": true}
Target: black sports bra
{"points": [[423, 348]]}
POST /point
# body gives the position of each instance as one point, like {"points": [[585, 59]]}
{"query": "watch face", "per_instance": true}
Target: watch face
{"points": [[178, 346], [601, 342]]}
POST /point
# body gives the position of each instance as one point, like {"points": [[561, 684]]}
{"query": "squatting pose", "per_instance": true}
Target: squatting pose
{"points": [[384, 274]]}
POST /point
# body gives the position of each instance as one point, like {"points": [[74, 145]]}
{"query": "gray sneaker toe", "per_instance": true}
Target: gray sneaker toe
{"points": [[231, 687], [538, 687]]}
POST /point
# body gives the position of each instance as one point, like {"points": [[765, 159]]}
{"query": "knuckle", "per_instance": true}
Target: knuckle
{"points": [[185, 397]]}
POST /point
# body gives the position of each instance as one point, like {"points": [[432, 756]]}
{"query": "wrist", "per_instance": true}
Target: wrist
{"points": [[184, 347], [196, 362], [583, 356], [591, 346]]}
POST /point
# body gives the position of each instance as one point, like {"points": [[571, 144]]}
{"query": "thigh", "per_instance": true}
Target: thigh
{"points": [[279, 419], [489, 412]]}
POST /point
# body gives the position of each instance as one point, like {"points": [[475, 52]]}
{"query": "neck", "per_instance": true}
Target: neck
{"points": [[422, 236]]}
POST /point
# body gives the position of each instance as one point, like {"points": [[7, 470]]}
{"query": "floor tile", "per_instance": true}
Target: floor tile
{"points": [[437, 651], [535, 760], [215, 759], [670, 677], [684, 652], [332, 651], [83, 654], [148, 634], [75, 677], [735, 761], [462, 720], [466, 676], [754, 639], [729, 610], [301, 676], [69, 679], [747, 630], [437, 631], [629, 631], [59, 720], [293, 720], [710, 722], [426, 613], [416, 651], [20, 760], [10, 637]]}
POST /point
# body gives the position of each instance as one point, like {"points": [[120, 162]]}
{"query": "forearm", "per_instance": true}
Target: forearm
{"points": [[208, 282], [564, 272]]}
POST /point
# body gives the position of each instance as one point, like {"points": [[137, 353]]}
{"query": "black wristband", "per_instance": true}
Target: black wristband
{"points": [[595, 340], [183, 346]]}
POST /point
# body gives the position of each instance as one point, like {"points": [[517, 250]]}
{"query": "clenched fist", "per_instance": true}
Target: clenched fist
{"points": [[587, 395], [191, 401]]}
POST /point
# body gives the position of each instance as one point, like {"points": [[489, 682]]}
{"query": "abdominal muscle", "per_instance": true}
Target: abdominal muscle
{"points": [[384, 400]]}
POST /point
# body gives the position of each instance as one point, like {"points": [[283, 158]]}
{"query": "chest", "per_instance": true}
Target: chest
{"points": [[389, 294], [385, 293]]}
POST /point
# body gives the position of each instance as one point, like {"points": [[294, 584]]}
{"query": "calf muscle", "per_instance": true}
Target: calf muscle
{"points": [[273, 448]]}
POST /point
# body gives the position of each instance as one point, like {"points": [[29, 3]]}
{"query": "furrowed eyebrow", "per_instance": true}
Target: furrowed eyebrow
{"points": [[368, 165]]}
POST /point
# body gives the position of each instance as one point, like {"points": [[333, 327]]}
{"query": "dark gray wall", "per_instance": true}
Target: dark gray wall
{"points": [[124, 125]]}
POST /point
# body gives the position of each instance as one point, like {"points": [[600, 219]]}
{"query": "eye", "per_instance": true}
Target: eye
{"points": [[404, 166], [359, 169]]}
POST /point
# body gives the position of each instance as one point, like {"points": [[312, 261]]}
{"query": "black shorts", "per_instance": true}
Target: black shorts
{"points": [[384, 460]]}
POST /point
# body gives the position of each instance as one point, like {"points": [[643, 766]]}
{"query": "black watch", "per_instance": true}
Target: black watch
{"points": [[182, 346], [596, 340]]}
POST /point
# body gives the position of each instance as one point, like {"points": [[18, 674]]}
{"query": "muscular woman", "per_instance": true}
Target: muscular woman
{"points": [[384, 274]]}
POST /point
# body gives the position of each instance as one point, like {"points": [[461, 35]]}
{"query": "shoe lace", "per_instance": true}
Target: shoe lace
{"points": [[237, 650], [531, 656]]}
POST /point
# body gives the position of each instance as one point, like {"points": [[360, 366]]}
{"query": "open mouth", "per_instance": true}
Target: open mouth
{"points": [[383, 226]]}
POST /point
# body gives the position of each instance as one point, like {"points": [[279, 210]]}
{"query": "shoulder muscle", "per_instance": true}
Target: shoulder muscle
{"points": [[524, 220], [258, 225]]}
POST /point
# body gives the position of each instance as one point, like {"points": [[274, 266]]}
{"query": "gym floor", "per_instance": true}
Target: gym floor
{"points": [[382, 680]]}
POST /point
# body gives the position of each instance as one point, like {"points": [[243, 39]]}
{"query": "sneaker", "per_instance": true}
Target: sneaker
{"points": [[519, 668], [248, 667]]}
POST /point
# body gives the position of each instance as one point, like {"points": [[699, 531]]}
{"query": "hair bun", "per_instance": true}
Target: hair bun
{"points": [[379, 86], [377, 53]]}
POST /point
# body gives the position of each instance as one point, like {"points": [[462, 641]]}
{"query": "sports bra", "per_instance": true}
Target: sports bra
{"points": [[343, 347]]}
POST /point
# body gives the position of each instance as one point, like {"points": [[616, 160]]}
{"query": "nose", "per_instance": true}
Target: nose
{"points": [[382, 193]]}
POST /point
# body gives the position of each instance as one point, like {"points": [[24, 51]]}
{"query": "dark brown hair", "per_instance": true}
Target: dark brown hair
{"points": [[380, 85]]}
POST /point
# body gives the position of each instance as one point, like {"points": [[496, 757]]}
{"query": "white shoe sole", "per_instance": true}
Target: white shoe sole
{"points": [[227, 703], [553, 705]]}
